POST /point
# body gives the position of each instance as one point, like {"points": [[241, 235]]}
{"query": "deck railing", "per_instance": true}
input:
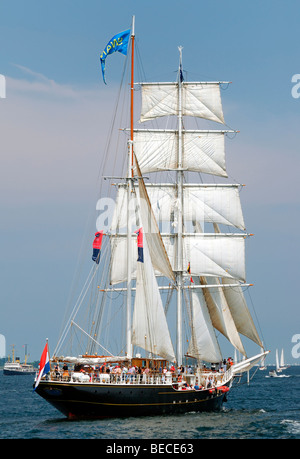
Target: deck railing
{"points": [[203, 379]]}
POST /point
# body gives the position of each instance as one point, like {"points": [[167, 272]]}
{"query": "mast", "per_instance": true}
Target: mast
{"points": [[25, 361], [180, 222], [129, 192], [132, 86]]}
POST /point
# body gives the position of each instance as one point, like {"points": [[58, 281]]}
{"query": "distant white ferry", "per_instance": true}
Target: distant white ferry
{"points": [[14, 367]]}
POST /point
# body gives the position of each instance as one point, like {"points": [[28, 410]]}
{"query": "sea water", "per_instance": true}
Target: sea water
{"points": [[267, 408]]}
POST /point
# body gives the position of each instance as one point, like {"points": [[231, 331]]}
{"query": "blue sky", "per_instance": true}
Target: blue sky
{"points": [[54, 122]]}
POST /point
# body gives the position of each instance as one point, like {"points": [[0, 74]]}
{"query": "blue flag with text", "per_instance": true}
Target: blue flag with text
{"points": [[118, 43]]}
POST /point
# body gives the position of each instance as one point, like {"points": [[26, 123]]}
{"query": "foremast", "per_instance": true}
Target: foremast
{"points": [[179, 275], [129, 196]]}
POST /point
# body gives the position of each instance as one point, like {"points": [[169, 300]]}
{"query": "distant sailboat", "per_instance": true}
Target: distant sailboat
{"points": [[278, 369], [283, 366]]}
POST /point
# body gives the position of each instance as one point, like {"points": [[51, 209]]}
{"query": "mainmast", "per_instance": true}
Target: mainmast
{"points": [[180, 218], [129, 193]]}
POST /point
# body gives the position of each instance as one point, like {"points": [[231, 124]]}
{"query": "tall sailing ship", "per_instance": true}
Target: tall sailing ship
{"points": [[166, 250]]}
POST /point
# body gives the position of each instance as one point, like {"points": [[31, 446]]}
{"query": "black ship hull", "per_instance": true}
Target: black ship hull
{"points": [[18, 373], [103, 401]]}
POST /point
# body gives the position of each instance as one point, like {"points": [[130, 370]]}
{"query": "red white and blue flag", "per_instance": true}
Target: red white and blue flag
{"points": [[44, 366], [189, 271], [140, 245], [97, 246]]}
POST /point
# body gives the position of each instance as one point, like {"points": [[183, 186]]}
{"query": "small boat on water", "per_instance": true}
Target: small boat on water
{"points": [[14, 367], [159, 256], [273, 373], [280, 365], [283, 365]]}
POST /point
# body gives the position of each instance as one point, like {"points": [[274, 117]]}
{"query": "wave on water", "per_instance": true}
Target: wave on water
{"points": [[292, 426], [264, 408], [278, 376]]}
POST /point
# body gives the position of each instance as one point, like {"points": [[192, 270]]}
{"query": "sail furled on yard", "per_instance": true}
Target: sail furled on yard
{"points": [[199, 99]]}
